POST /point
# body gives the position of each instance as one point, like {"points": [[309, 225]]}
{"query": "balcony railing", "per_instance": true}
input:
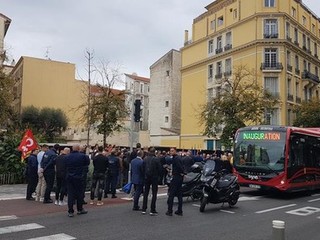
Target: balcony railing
{"points": [[219, 50], [289, 67], [298, 99], [271, 66], [270, 35], [290, 97], [227, 47], [310, 76], [218, 75], [227, 73]]}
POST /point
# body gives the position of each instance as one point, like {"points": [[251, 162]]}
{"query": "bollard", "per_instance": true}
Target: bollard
{"points": [[278, 228]]}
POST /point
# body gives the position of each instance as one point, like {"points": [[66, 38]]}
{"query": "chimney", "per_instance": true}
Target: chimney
{"points": [[186, 37]]}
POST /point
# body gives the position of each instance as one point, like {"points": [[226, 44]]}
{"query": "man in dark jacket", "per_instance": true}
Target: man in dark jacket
{"points": [[113, 174], [48, 163], [61, 177], [32, 174], [75, 162], [100, 164], [152, 171], [176, 183], [137, 178]]}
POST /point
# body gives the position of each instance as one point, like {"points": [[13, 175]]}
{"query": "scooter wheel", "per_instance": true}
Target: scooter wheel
{"points": [[203, 204]]}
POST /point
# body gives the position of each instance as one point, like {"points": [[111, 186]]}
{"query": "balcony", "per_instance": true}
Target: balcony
{"points": [[275, 67], [297, 71], [219, 50], [228, 47], [306, 75], [270, 35], [290, 97], [298, 99], [289, 68], [227, 73], [218, 75]]}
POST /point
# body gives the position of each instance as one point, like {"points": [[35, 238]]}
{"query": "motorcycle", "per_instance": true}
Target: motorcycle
{"points": [[218, 186], [191, 182]]}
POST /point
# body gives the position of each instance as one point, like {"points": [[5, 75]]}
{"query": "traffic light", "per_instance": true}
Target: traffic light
{"points": [[137, 110]]}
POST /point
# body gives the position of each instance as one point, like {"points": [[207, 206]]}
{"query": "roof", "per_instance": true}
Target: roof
{"points": [[137, 78], [156, 62]]}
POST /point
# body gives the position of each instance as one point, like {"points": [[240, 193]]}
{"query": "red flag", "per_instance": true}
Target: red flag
{"points": [[27, 144]]}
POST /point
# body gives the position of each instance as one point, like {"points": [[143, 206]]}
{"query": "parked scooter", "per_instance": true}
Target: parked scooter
{"points": [[192, 182], [218, 186]]}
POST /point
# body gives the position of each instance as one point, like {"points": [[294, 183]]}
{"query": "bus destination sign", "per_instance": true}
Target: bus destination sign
{"points": [[271, 136]]}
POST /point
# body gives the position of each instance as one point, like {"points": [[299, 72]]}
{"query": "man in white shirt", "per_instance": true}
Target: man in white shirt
{"points": [[41, 187]]}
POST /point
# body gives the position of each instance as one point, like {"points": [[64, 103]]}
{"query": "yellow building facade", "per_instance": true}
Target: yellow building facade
{"points": [[278, 40]]}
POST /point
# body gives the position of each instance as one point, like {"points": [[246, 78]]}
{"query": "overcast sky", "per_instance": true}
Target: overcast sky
{"points": [[132, 33]]}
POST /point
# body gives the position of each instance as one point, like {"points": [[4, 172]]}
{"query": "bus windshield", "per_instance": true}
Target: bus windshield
{"points": [[260, 149]]}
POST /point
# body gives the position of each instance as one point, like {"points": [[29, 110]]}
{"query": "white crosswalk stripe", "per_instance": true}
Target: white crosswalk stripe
{"points": [[60, 236], [29, 227], [5, 218], [20, 228]]}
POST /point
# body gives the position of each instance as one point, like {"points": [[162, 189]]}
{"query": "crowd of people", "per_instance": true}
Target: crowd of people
{"points": [[66, 171]]}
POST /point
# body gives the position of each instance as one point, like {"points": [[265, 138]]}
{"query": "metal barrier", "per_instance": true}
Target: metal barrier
{"points": [[9, 178]]}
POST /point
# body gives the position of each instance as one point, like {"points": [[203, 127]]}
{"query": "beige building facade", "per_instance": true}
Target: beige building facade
{"points": [[165, 95], [278, 40]]}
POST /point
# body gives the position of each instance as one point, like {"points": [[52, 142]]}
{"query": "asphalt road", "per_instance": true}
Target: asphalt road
{"points": [[250, 219]]}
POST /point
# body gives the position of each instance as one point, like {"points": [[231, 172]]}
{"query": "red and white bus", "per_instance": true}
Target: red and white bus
{"points": [[278, 157]]}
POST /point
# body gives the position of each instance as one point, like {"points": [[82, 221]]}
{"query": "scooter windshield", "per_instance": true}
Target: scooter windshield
{"points": [[209, 167]]}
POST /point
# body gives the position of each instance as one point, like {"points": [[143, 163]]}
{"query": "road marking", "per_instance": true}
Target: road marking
{"points": [[226, 211], [277, 208], [60, 236], [11, 217], [20, 228], [305, 211], [196, 205], [314, 200], [249, 198], [314, 195]]}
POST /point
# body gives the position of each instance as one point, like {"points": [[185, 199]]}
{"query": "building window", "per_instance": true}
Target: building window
{"points": [[271, 85], [228, 67], [288, 31], [235, 13], [166, 119], [289, 87], [271, 57], [289, 117], [166, 103], [220, 21], [219, 69], [213, 25], [308, 44], [219, 45], [315, 50], [316, 71], [296, 36], [297, 65], [141, 87], [168, 73], [297, 90], [269, 3], [304, 20], [272, 117], [313, 28], [228, 38], [293, 12], [210, 93], [304, 65], [210, 46], [210, 72], [271, 28], [304, 42]]}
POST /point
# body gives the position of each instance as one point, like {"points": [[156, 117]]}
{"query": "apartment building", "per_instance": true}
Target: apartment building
{"points": [[278, 39], [4, 25], [165, 95]]}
